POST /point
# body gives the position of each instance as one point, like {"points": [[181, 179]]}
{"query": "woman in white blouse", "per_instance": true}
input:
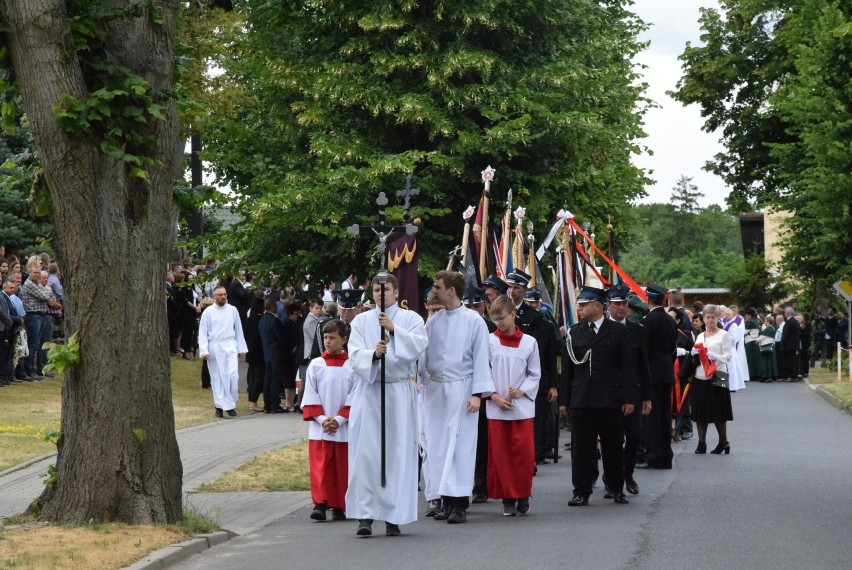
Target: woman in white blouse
{"points": [[711, 404]]}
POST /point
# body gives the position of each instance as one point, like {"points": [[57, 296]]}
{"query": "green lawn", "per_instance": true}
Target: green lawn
{"points": [[31, 409], [827, 379]]}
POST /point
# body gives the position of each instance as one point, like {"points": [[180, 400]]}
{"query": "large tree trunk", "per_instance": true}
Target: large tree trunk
{"points": [[112, 234]]}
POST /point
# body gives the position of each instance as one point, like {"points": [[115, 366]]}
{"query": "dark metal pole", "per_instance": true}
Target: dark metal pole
{"points": [[382, 280]]}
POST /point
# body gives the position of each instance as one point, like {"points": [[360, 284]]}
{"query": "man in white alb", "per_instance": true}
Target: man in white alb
{"points": [[400, 336], [455, 374], [221, 344]]}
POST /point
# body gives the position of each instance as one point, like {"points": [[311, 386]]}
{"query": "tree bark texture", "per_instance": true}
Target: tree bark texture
{"points": [[112, 234]]}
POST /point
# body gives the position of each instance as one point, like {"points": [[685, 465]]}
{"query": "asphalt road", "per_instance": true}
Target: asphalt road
{"points": [[780, 500]]}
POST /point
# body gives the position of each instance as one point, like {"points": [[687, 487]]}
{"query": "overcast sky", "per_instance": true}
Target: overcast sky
{"points": [[674, 131]]}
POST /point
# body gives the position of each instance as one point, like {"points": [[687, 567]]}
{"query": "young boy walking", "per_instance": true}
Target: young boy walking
{"points": [[329, 384], [516, 370]]}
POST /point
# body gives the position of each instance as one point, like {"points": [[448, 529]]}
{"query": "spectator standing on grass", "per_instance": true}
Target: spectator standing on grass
{"points": [[54, 280], [8, 322], [221, 344], [254, 357], [36, 299]]}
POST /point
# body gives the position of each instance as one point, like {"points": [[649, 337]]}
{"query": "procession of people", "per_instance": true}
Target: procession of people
{"points": [[468, 403]]}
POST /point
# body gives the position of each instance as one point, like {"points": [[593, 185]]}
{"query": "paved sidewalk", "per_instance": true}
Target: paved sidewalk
{"points": [[207, 451]]}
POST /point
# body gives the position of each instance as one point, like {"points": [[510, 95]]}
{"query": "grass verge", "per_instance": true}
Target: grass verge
{"points": [[283, 469], [33, 409], [25, 543], [827, 380]]}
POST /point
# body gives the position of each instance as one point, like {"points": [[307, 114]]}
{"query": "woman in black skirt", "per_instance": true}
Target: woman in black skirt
{"points": [[711, 404]]}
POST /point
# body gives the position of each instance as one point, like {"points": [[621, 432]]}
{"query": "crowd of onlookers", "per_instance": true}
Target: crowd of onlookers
{"points": [[783, 344], [189, 291], [30, 315]]}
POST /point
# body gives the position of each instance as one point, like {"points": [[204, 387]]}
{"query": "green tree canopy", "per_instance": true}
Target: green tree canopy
{"points": [[705, 255], [338, 101], [773, 77]]}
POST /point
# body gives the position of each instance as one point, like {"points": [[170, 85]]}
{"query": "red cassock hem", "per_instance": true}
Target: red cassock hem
{"points": [[511, 459], [344, 412], [310, 412], [329, 461]]}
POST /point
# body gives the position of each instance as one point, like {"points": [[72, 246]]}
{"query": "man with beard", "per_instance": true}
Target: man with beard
{"points": [[221, 344]]}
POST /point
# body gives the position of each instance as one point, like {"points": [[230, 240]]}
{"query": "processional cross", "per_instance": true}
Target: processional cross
{"points": [[383, 230]]}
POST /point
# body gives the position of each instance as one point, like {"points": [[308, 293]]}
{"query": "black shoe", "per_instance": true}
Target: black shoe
{"points": [[278, 410], [631, 487], [219, 413], [365, 527], [722, 448], [318, 514], [433, 507], [509, 508], [608, 494], [232, 413], [620, 499], [338, 515], [702, 448], [642, 465], [523, 506], [479, 498], [443, 513], [579, 501], [458, 516], [392, 529]]}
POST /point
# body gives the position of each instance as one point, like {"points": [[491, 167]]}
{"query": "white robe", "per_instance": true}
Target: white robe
{"points": [[454, 366], [514, 368], [220, 335], [365, 498], [738, 367], [332, 388]]}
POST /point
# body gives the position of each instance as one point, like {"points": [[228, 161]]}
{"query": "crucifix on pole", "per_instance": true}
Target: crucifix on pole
{"points": [[383, 230]]}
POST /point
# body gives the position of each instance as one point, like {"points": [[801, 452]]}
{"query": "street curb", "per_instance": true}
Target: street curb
{"points": [[171, 555], [26, 464], [168, 556], [34, 460], [829, 397]]}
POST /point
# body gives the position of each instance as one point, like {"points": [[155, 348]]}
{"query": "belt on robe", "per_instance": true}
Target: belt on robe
{"points": [[397, 380], [457, 379]]}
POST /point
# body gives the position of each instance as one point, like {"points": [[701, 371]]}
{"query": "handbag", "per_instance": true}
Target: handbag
{"points": [[720, 379]]}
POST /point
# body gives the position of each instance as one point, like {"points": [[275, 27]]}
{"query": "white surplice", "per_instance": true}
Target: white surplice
{"points": [[396, 502], [220, 335], [331, 387], [454, 366], [738, 367], [514, 368]]}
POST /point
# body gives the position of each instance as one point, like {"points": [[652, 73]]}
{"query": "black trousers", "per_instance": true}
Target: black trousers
{"points": [[632, 435], [254, 380], [658, 428], [272, 385], [544, 426], [480, 472], [6, 343], [587, 424]]}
